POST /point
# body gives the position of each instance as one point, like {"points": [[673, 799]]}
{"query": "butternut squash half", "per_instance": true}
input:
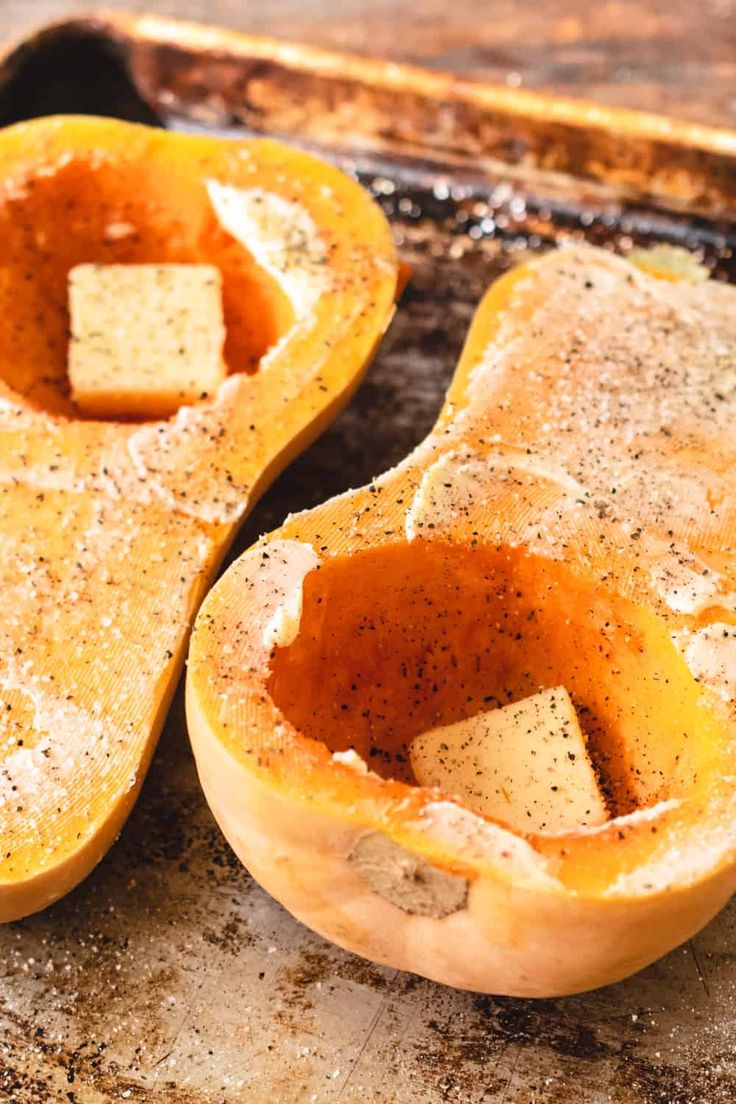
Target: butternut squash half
{"points": [[569, 523], [110, 530]]}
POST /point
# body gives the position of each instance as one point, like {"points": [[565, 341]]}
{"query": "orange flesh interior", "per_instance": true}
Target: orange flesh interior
{"points": [[453, 630], [130, 212]]}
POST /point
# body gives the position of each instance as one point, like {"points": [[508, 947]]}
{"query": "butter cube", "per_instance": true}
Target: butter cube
{"points": [[145, 338], [525, 764]]}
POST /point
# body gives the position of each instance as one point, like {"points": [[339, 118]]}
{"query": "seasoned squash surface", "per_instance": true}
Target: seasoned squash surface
{"points": [[110, 529], [569, 522]]}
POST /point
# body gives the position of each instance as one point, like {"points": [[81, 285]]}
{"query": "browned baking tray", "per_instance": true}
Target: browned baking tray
{"points": [[168, 975]]}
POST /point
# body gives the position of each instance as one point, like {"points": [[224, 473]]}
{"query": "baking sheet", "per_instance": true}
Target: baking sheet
{"points": [[169, 975]]}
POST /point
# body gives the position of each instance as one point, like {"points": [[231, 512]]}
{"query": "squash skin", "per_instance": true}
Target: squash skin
{"points": [[522, 940], [544, 916], [142, 503]]}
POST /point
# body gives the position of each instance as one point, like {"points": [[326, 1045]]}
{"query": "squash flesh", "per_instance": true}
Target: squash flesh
{"points": [[112, 529], [506, 562]]}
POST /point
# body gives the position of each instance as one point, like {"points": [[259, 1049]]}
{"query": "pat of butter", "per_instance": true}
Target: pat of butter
{"points": [[145, 338], [525, 764]]}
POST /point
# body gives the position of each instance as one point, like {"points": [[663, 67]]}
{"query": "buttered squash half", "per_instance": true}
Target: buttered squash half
{"points": [[476, 720], [178, 317]]}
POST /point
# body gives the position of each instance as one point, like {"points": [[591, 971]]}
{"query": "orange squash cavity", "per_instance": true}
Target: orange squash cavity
{"points": [[570, 521], [110, 530]]}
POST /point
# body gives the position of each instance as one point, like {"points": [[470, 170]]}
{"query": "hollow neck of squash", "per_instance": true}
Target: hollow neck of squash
{"points": [[115, 212], [453, 631]]}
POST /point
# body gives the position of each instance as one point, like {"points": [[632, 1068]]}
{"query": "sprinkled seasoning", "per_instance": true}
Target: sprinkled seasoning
{"points": [[623, 418]]}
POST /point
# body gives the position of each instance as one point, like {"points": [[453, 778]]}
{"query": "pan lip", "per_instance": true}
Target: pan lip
{"points": [[655, 159]]}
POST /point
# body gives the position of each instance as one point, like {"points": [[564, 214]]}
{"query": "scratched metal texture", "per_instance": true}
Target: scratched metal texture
{"points": [[170, 976]]}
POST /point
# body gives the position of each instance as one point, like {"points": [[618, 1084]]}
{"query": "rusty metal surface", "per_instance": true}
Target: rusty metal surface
{"points": [[676, 56], [170, 976]]}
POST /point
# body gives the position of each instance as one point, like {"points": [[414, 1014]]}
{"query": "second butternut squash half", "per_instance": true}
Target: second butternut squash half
{"points": [[564, 538]]}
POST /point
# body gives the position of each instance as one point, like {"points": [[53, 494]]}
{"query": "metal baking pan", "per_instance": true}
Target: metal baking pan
{"points": [[169, 976]]}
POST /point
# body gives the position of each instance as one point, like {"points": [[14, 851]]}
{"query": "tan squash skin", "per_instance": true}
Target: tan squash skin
{"points": [[576, 527], [110, 531]]}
